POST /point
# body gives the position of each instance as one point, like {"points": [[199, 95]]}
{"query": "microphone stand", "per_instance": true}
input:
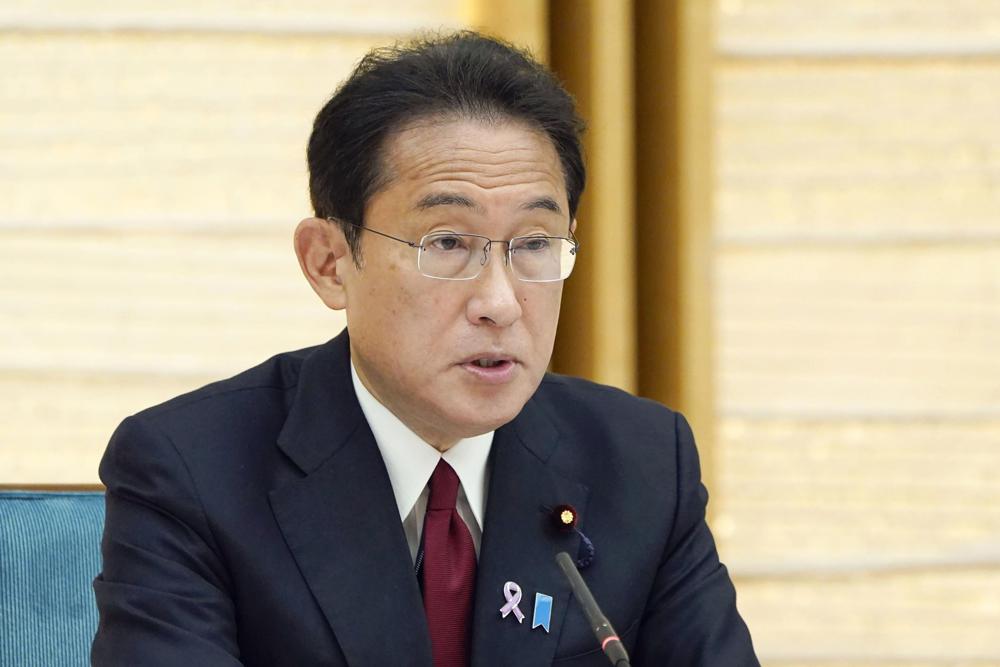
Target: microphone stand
{"points": [[606, 635]]}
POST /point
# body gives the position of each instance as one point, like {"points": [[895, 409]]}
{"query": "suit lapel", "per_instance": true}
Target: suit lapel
{"points": [[341, 523], [520, 544]]}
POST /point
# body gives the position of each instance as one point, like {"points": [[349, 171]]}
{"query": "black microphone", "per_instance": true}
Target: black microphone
{"points": [[606, 635]]}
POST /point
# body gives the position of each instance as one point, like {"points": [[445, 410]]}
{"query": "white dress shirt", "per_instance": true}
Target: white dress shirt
{"points": [[411, 461]]}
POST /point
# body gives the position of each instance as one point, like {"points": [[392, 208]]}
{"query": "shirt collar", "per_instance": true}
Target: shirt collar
{"points": [[410, 461]]}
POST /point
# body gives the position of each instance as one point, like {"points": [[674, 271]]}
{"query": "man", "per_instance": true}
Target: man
{"points": [[397, 495]]}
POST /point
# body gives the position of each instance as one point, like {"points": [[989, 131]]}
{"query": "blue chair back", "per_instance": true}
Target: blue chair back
{"points": [[50, 552]]}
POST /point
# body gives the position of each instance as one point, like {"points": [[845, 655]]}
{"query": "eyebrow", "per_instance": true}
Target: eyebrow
{"points": [[454, 199], [544, 203], [447, 199]]}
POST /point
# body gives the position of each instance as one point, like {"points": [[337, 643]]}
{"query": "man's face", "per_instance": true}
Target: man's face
{"points": [[415, 340]]}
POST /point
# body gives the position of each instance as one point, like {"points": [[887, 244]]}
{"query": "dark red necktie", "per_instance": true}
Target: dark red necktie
{"points": [[449, 571]]}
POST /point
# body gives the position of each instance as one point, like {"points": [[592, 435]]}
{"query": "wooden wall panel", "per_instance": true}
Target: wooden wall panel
{"points": [[54, 426], [849, 27], [386, 17], [865, 331], [154, 303], [152, 169], [97, 326], [837, 153], [165, 131], [891, 662], [858, 311], [938, 617], [857, 495]]}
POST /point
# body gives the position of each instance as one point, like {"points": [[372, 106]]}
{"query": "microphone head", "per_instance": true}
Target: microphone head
{"points": [[565, 561]]}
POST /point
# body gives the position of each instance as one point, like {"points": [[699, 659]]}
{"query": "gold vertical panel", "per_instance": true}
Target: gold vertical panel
{"points": [[674, 209], [522, 22], [592, 52]]}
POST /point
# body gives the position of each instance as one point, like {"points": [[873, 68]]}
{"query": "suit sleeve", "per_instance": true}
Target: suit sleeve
{"points": [[163, 594], [691, 617]]}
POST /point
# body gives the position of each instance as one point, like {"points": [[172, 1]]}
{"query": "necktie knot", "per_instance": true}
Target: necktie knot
{"points": [[444, 487]]}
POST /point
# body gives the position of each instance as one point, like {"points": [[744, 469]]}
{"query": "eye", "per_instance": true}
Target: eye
{"points": [[446, 242], [532, 243]]}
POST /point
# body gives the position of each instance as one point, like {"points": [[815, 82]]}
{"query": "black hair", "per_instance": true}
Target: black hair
{"points": [[463, 73]]}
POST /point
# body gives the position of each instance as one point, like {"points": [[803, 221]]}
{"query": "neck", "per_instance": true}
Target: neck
{"points": [[433, 437]]}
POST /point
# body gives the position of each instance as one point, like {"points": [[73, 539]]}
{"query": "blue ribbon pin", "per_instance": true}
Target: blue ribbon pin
{"points": [[543, 611]]}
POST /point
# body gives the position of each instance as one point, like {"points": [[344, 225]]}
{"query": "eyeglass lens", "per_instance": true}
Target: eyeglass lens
{"points": [[462, 256]]}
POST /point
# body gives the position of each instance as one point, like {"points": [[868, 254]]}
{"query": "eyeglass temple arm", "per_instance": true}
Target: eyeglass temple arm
{"points": [[412, 244]]}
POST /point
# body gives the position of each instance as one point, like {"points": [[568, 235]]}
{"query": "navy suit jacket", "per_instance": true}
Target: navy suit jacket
{"points": [[253, 522]]}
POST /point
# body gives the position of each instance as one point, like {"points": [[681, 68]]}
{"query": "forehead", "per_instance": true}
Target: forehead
{"points": [[488, 159]]}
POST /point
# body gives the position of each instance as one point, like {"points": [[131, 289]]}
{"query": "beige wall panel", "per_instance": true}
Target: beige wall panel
{"points": [[142, 129], [943, 617], [866, 151], [857, 321], [851, 496], [54, 427], [308, 15], [869, 331], [763, 27], [888, 662], [153, 303]]}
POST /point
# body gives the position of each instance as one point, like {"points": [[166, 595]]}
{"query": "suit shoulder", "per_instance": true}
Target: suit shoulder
{"points": [[614, 441], [564, 392], [273, 377]]}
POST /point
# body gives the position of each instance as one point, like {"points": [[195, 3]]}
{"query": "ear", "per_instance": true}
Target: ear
{"points": [[572, 226], [323, 257]]}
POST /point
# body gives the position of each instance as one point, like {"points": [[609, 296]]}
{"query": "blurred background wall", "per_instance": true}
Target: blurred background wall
{"points": [[796, 205], [857, 326]]}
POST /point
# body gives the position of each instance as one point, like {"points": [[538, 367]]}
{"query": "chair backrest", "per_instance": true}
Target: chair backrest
{"points": [[49, 554]]}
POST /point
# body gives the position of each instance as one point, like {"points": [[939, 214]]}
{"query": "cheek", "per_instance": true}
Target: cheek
{"points": [[436, 301], [542, 307], [425, 317], [440, 304]]}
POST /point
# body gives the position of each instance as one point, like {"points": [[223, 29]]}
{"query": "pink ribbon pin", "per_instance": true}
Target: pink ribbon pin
{"points": [[512, 592]]}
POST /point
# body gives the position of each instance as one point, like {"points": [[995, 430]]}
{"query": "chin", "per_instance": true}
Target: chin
{"points": [[483, 409], [478, 419]]}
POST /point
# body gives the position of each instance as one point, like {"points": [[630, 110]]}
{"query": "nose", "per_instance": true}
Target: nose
{"points": [[494, 295]]}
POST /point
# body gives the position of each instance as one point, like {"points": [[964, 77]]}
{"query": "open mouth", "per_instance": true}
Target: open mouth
{"points": [[489, 363], [492, 371]]}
